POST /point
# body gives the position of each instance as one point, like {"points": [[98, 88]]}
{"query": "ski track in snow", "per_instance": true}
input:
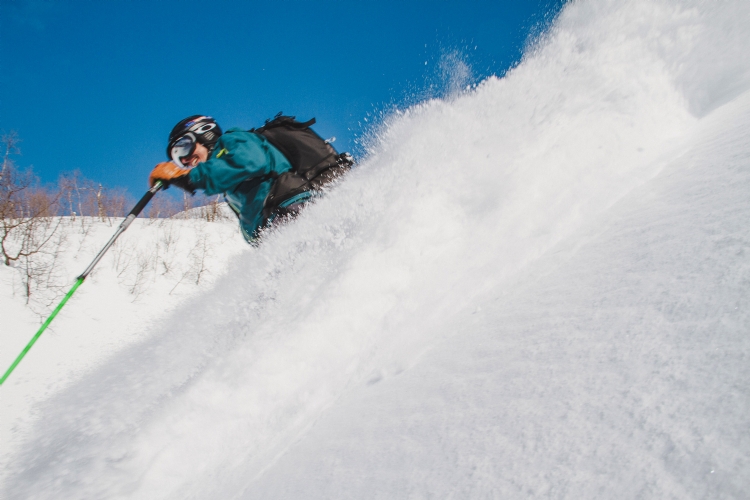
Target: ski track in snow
{"points": [[534, 289]]}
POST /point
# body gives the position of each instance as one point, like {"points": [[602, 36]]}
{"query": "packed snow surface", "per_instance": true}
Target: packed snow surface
{"points": [[537, 287]]}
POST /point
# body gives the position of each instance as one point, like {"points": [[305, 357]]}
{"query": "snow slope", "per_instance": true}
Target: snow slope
{"points": [[534, 289], [153, 267]]}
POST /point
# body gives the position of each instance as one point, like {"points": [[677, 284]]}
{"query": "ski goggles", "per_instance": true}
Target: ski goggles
{"points": [[184, 147]]}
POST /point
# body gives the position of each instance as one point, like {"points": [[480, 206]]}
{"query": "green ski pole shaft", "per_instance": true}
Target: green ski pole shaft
{"points": [[41, 330], [123, 226]]}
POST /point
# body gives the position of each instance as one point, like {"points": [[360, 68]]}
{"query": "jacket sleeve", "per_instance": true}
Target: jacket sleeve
{"points": [[237, 157]]}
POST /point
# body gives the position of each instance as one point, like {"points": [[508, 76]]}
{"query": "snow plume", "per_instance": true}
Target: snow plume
{"points": [[455, 74], [532, 289]]}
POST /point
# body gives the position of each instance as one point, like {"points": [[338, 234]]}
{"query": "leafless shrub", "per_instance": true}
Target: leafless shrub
{"points": [[116, 203], [134, 267], [198, 254], [121, 257], [29, 239], [162, 207], [213, 211], [198, 258], [185, 206], [142, 271], [81, 197], [166, 247], [40, 278]]}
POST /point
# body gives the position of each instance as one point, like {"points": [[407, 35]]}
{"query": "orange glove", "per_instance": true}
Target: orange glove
{"points": [[169, 173]]}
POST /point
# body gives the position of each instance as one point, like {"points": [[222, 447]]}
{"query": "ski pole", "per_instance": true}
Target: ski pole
{"points": [[123, 226]]}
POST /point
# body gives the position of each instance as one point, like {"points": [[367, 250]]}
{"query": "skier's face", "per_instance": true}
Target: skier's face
{"points": [[199, 156]]}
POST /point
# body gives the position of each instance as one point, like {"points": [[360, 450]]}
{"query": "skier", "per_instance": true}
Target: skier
{"points": [[266, 174]]}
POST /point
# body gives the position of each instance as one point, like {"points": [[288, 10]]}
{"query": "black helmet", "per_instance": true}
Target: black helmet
{"points": [[193, 129]]}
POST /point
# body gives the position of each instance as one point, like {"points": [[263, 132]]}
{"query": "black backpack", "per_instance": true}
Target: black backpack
{"points": [[308, 153], [314, 161]]}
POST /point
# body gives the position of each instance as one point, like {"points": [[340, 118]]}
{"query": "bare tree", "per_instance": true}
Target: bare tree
{"points": [[187, 202], [84, 197], [117, 202], [162, 207], [213, 210], [29, 239]]}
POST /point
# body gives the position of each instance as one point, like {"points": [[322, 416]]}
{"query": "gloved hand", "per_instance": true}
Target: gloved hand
{"points": [[169, 174]]}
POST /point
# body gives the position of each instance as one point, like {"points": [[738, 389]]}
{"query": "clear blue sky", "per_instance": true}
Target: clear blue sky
{"points": [[97, 85]]}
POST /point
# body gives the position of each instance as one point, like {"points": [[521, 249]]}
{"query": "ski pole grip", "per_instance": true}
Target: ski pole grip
{"points": [[146, 198]]}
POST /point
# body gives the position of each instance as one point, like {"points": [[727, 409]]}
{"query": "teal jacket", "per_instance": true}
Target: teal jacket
{"points": [[239, 167]]}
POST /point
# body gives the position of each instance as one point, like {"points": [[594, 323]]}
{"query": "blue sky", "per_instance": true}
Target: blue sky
{"points": [[97, 85]]}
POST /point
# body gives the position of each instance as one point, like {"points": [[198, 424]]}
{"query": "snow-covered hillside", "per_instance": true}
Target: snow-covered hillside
{"points": [[537, 288], [156, 265]]}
